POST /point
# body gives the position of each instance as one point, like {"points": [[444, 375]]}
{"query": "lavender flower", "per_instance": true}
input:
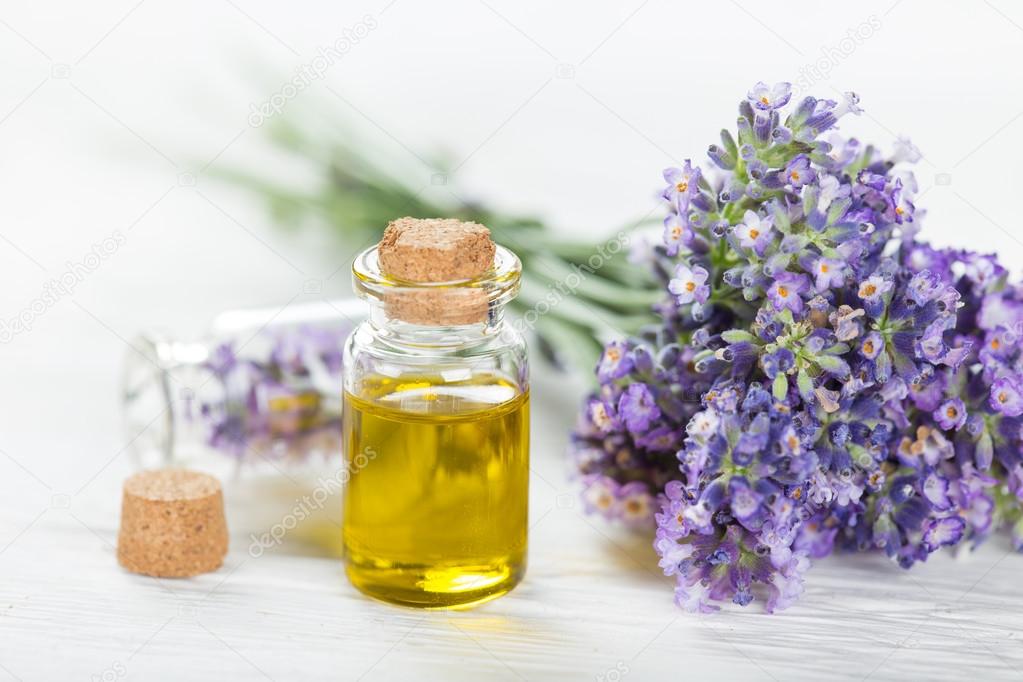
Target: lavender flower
{"points": [[828, 273], [1007, 396], [822, 379], [754, 233], [638, 409], [682, 186], [768, 98], [282, 400], [951, 414], [689, 284], [786, 292]]}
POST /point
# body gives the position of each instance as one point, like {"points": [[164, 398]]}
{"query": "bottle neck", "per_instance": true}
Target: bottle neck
{"points": [[436, 317], [383, 325]]}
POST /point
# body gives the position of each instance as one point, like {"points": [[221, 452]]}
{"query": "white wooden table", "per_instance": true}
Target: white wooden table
{"points": [[593, 605]]}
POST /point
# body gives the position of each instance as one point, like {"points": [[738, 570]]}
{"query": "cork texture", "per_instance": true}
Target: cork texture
{"points": [[438, 307], [172, 524], [431, 251], [435, 250]]}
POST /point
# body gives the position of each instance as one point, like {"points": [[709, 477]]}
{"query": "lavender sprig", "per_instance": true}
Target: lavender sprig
{"points": [[821, 378], [280, 401]]}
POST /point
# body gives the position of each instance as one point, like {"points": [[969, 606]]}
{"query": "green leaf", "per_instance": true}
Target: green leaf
{"points": [[738, 336], [570, 345], [838, 209], [884, 363], [585, 280], [833, 364], [729, 144], [810, 194], [746, 134], [805, 385], [780, 389], [781, 219]]}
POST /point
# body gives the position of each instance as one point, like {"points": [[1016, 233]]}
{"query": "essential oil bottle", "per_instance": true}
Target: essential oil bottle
{"points": [[436, 420]]}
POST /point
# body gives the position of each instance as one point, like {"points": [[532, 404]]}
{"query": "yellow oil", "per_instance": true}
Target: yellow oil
{"points": [[435, 511]]}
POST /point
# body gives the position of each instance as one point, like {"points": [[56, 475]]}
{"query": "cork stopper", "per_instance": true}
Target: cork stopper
{"points": [[172, 524], [435, 251]]}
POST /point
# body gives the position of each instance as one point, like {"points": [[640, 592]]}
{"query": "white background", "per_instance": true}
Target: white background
{"points": [[109, 110]]}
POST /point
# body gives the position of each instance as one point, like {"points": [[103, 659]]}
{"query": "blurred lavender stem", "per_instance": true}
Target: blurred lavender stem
{"points": [[357, 198]]}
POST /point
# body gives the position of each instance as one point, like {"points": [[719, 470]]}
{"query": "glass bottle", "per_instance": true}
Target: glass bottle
{"points": [[256, 401], [436, 430]]}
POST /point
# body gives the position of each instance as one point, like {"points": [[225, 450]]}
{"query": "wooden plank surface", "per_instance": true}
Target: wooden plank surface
{"points": [[593, 605]]}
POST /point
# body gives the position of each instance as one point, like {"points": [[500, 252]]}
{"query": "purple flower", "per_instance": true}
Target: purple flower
{"points": [[600, 496], [927, 396], [615, 363], [637, 408], [829, 272], [872, 346], [754, 232], [931, 345], [924, 287], [682, 186], [689, 284], [831, 189], [798, 172], [873, 288], [778, 362], [850, 104], [635, 504], [746, 503], [786, 290], [275, 399], [677, 233], [787, 583], [662, 439], [767, 98], [819, 377], [1007, 397], [936, 489], [901, 205], [601, 416], [951, 414], [940, 532], [222, 359], [997, 310], [673, 554], [871, 180]]}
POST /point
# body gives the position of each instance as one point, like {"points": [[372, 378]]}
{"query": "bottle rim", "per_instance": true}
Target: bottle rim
{"points": [[497, 286]]}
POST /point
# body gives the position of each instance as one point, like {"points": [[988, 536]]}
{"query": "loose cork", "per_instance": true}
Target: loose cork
{"points": [[172, 524], [435, 250], [430, 251]]}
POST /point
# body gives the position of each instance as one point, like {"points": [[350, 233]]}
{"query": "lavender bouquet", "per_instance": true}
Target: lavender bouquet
{"points": [[820, 379]]}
